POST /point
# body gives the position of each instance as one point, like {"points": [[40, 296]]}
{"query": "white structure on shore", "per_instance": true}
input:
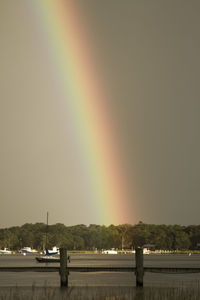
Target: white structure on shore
{"points": [[112, 251]]}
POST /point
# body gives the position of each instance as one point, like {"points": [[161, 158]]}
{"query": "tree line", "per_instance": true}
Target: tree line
{"points": [[92, 237]]}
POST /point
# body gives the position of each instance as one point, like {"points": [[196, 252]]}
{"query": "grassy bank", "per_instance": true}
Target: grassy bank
{"points": [[108, 293]]}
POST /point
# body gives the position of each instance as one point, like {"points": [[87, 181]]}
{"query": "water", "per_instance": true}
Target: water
{"points": [[109, 279]]}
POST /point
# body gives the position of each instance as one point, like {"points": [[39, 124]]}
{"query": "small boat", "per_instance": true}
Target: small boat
{"points": [[54, 251], [49, 256], [5, 251], [146, 251], [27, 250], [112, 251], [50, 259], [47, 259]]}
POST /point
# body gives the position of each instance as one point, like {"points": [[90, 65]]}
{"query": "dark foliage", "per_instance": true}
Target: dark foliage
{"points": [[82, 237]]}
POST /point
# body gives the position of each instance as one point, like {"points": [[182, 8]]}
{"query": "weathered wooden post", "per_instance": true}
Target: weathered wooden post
{"points": [[63, 268], [139, 267]]}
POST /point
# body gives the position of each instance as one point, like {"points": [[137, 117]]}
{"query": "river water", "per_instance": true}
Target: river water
{"points": [[26, 279]]}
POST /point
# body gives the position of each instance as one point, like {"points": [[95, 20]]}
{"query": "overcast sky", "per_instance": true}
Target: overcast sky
{"points": [[148, 52]]}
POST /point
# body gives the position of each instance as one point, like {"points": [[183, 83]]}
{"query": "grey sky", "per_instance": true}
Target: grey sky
{"points": [[149, 54]]}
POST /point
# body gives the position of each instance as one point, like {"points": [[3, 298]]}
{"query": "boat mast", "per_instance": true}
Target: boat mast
{"points": [[47, 229]]}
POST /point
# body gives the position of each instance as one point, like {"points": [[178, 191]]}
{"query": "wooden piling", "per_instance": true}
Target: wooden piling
{"points": [[63, 268], [139, 267]]}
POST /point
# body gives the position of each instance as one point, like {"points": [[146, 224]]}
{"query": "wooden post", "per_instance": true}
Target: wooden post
{"points": [[139, 267], [63, 268]]}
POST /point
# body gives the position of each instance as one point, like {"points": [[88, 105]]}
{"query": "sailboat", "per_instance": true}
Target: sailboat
{"points": [[49, 254]]}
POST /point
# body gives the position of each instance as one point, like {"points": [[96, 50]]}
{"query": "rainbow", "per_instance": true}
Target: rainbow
{"points": [[67, 43]]}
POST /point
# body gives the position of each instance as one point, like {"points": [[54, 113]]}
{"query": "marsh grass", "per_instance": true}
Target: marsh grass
{"points": [[97, 293]]}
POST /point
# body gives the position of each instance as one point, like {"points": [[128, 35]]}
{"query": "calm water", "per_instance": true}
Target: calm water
{"points": [[102, 278]]}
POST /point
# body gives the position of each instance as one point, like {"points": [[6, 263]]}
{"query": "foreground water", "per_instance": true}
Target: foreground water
{"points": [[99, 279]]}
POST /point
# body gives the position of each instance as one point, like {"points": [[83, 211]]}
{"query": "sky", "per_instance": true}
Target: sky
{"points": [[146, 57]]}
